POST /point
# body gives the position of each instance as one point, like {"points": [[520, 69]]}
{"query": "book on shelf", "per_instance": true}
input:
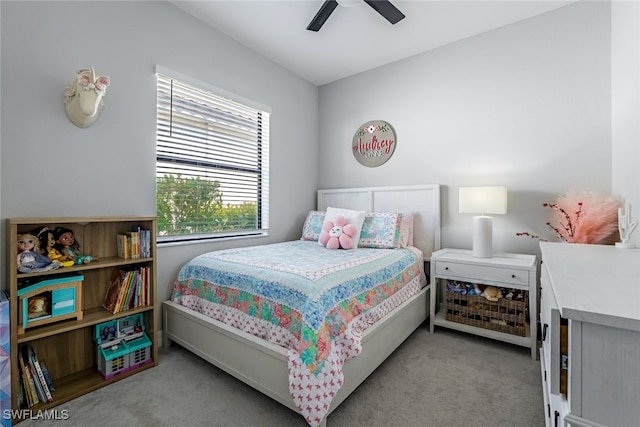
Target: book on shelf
{"points": [[113, 292], [33, 386], [134, 244], [38, 386], [41, 382], [128, 245], [27, 400], [20, 394], [47, 376], [29, 384], [123, 246], [134, 238], [145, 243], [126, 297], [145, 289], [126, 288]]}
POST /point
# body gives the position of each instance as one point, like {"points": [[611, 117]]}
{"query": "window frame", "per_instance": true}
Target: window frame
{"points": [[262, 186]]}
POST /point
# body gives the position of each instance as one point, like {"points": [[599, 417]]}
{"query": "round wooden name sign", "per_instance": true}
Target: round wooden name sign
{"points": [[373, 143]]}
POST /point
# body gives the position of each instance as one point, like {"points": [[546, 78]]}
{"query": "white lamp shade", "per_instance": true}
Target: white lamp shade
{"points": [[483, 200]]}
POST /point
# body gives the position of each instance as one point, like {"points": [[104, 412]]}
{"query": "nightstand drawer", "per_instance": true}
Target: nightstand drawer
{"points": [[483, 273]]}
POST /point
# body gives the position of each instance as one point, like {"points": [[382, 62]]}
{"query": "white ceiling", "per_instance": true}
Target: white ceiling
{"points": [[355, 38]]}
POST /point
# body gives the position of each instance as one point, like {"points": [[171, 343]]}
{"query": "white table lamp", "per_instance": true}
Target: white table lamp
{"points": [[483, 200]]}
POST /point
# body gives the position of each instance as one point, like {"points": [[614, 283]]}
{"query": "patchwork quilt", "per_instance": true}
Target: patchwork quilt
{"points": [[310, 300]]}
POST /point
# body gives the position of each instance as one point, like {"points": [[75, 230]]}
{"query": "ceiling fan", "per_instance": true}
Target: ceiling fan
{"points": [[383, 7]]}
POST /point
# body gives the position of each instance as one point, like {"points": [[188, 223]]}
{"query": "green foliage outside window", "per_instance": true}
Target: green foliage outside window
{"points": [[196, 206]]}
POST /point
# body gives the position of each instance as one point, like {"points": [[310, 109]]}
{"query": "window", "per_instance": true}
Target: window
{"points": [[212, 165]]}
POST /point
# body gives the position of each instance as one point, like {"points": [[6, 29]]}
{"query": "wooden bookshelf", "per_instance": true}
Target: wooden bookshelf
{"points": [[68, 346]]}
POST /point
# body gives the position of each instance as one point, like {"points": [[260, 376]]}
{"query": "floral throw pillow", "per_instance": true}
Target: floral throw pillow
{"points": [[381, 230], [313, 226]]}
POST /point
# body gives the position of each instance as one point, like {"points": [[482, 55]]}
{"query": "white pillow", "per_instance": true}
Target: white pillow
{"points": [[353, 217]]}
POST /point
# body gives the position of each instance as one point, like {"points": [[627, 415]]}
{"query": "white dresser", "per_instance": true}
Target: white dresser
{"points": [[590, 319]]}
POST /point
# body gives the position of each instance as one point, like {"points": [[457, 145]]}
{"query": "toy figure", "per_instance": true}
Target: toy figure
{"points": [[492, 293], [38, 306], [456, 287], [29, 257], [474, 290], [41, 234], [108, 333], [67, 245], [47, 243]]}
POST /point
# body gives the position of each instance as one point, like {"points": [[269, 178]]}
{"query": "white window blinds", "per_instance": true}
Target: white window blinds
{"points": [[212, 166]]}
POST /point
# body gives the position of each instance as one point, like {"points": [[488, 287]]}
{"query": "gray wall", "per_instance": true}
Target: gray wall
{"points": [[52, 168], [527, 106], [625, 103]]}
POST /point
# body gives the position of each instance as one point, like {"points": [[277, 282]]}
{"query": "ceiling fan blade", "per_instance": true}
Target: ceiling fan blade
{"points": [[386, 9], [325, 11]]}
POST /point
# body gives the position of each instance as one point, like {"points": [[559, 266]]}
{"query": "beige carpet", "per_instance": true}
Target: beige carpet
{"points": [[442, 379]]}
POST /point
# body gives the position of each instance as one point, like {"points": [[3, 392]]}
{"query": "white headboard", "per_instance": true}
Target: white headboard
{"points": [[422, 200]]}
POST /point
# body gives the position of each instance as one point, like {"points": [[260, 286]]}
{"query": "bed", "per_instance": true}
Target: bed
{"points": [[271, 361]]}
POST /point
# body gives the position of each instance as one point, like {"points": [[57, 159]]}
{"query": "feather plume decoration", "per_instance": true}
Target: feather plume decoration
{"points": [[584, 217]]}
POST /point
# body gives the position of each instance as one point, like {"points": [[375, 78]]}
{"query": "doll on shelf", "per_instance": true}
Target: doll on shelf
{"points": [[67, 245], [29, 257], [47, 243]]}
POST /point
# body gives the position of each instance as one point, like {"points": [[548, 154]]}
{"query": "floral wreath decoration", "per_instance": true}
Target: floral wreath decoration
{"points": [[372, 129]]}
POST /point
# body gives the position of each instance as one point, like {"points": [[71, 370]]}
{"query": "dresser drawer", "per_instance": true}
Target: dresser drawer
{"points": [[550, 322], [484, 274]]}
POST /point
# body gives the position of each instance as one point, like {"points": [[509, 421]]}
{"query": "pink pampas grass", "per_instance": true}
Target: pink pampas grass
{"points": [[584, 217]]}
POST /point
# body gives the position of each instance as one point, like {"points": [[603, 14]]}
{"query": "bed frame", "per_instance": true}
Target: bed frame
{"points": [[263, 365]]}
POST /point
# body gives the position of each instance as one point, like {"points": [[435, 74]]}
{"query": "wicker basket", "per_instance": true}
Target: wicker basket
{"points": [[504, 315]]}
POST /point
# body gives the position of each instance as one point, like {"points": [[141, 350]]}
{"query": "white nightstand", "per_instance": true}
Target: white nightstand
{"points": [[515, 271]]}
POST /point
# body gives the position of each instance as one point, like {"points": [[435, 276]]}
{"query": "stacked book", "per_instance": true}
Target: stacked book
{"points": [[128, 289], [134, 244], [35, 384]]}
